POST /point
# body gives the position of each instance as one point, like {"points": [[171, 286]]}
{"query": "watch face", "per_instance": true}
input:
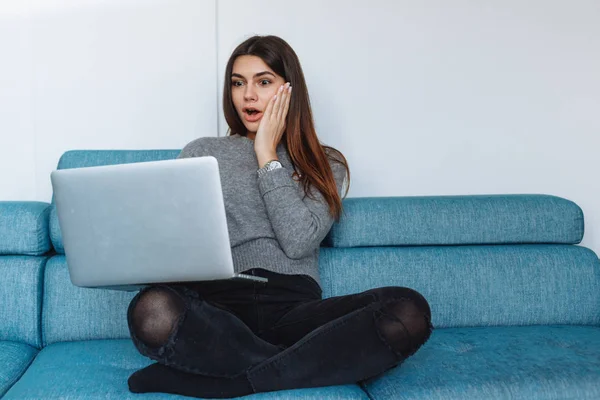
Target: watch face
{"points": [[270, 166], [273, 165]]}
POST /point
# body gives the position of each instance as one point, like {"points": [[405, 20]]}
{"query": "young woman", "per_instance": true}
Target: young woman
{"points": [[282, 190]]}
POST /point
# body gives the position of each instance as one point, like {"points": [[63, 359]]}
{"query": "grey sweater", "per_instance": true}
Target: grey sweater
{"points": [[271, 223]]}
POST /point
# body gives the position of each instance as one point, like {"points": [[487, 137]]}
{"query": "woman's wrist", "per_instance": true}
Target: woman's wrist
{"points": [[264, 157]]}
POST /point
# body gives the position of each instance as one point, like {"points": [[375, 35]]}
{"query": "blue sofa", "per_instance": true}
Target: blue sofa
{"points": [[515, 301]]}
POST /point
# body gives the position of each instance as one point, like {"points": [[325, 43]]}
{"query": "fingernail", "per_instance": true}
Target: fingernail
{"points": [[275, 98], [290, 89], [281, 89]]}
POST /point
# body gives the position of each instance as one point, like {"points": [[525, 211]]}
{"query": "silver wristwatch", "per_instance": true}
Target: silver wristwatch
{"points": [[269, 166]]}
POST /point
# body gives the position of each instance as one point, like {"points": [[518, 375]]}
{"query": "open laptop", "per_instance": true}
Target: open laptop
{"points": [[129, 225]]}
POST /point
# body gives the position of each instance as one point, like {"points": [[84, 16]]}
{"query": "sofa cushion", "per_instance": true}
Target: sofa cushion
{"points": [[94, 158], [477, 285], [532, 362], [73, 313], [98, 369], [449, 220], [14, 360], [465, 286], [21, 298], [24, 227]]}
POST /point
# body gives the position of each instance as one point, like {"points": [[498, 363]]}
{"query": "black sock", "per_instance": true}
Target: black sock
{"points": [[161, 378]]}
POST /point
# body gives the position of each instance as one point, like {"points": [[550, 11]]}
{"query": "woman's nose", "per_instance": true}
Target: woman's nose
{"points": [[249, 94]]}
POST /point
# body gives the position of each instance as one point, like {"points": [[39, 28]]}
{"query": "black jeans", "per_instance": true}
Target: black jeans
{"points": [[283, 335]]}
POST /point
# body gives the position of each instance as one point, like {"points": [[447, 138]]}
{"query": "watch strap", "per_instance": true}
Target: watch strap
{"points": [[269, 166]]}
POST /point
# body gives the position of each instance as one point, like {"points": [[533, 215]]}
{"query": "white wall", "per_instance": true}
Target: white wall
{"points": [[103, 74], [444, 98], [17, 159], [424, 98]]}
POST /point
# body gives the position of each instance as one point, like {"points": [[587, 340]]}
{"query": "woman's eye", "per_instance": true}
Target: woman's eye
{"points": [[263, 82]]}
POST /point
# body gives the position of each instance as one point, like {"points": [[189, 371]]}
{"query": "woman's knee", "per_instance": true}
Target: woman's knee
{"points": [[153, 314], [403, 326], [403, 318]]}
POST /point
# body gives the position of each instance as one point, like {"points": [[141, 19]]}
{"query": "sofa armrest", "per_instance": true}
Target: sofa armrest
{"points": [[24, 228]]}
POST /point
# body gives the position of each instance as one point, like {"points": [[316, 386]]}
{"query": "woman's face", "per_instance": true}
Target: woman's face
{"points": [[253, 84]]}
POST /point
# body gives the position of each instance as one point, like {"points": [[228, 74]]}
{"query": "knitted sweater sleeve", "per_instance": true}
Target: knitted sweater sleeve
{"points": [[299, 222], [193, 149]]}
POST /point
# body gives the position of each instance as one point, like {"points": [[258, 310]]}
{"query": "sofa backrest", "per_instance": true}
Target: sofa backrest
{"points": [[484, 285], [24, 243], [72, 313], [457, 220], [20, 298], [24, 228], [479, 260]]}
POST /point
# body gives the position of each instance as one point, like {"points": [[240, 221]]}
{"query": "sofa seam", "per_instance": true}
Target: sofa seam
{"points": [[21, 373], [43, 230], [41, 282], [38, 227], [44, 342], [363, 386]]}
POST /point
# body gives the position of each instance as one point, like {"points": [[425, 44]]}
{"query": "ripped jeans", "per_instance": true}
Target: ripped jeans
{"points": [[281, 334]]}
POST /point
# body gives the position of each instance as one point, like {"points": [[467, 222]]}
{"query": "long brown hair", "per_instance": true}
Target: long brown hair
{"points": [[309, 157]]}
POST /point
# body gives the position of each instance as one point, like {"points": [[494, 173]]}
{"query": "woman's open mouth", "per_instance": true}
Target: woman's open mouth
{"points": [[252, 114]]}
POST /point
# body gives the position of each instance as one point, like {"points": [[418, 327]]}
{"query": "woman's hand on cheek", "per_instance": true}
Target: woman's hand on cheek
{"points": [[272, 124]]}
